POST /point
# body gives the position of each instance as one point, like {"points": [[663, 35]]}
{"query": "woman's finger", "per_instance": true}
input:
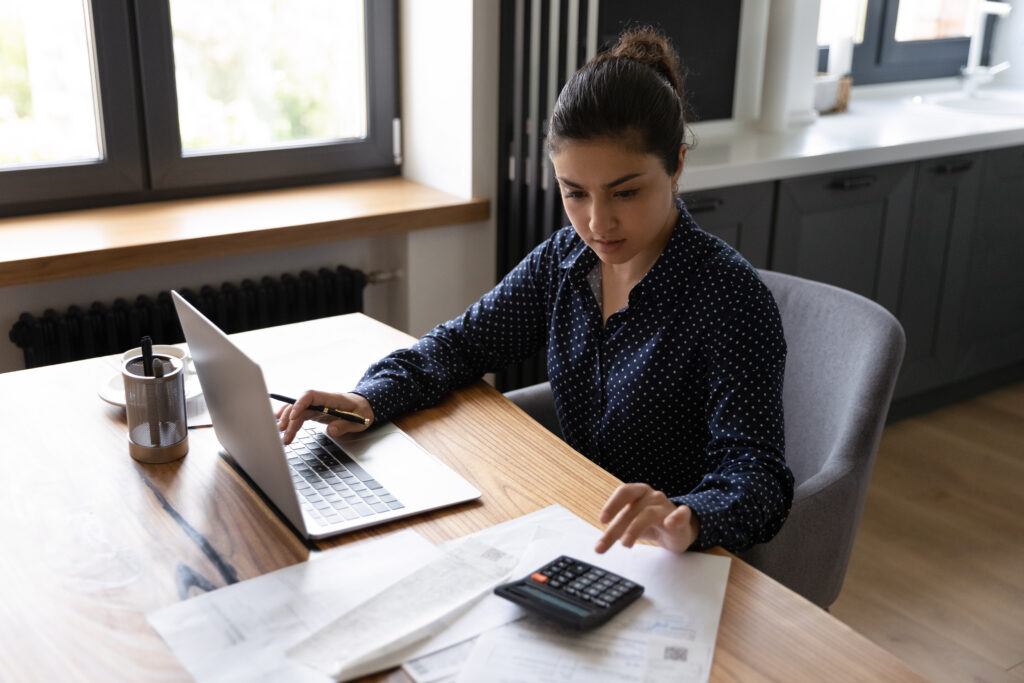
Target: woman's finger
{"points": [[648, 521], [621, 508], [622, 496]]}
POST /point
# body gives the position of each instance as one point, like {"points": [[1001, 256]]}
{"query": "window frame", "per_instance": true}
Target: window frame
{"points": [[169, 169], [883, 59], [140, 137], [121, 169]]}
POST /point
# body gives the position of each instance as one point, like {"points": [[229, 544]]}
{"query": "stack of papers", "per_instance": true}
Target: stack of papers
{"points": [[398, 599]]}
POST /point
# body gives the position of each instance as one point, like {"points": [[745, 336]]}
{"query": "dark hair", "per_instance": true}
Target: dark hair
{"points": [[634, 90]]}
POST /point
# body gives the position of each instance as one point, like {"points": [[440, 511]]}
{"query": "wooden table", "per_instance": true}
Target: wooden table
{"points": [[92, 540]]}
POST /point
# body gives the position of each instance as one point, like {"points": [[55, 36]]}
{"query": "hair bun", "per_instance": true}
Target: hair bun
{"points": [[650, 46]]}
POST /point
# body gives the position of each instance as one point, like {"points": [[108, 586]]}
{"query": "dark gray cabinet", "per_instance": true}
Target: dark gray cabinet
{"points": [[740, 215], [847, 229], [932, 295], [940, 243], [992, 325]]}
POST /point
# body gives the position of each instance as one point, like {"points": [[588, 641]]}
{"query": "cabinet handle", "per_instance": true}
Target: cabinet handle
{"points": [[704, 205], [854, 183], [953, 167]]}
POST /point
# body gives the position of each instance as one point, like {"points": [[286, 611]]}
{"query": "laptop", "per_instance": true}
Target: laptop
{"points": [[321, 485]]}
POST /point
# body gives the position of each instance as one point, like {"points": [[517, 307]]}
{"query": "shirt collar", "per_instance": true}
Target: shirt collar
{"points": [[580, 259]]}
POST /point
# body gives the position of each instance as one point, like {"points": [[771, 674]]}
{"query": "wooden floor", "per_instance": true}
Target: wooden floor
{"points": [[937, 573]]}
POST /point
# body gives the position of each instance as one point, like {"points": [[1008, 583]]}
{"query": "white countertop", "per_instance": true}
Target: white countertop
{"points": [[883, 125]]}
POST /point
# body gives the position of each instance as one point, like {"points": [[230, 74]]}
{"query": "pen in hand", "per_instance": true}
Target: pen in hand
{"points": [[341, 414]]}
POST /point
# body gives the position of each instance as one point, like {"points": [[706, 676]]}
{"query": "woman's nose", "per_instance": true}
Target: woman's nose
{"points": [[602, 220]]}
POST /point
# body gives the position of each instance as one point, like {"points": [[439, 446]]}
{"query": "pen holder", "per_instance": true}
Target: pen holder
{"points": [[157, 429]]}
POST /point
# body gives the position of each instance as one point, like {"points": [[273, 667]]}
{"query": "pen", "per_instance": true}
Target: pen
{"points": [[147, 356], [343, 414]]}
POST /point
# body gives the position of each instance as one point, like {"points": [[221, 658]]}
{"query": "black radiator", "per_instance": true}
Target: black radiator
{"points": [[101, 329]]}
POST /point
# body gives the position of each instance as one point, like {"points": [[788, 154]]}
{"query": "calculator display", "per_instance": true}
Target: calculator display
{"points": [[557, 602]]}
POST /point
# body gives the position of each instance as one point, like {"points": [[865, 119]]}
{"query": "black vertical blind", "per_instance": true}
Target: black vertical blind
{"points": [[536, 39]]}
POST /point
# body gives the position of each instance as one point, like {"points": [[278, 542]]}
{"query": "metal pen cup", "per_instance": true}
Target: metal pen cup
{"points": [[157, 427]]}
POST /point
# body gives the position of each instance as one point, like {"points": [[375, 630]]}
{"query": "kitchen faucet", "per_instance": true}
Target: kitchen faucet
{"points": [[974, 73]]}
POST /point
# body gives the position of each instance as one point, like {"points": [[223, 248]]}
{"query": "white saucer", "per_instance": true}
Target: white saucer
{"points": [[111, 390]]}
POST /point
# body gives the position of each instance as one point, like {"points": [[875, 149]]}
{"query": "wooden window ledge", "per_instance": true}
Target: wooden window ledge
{"points": [[79, 243]]}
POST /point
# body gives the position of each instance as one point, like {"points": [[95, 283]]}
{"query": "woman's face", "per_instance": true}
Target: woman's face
{"points": [[621, 202]]}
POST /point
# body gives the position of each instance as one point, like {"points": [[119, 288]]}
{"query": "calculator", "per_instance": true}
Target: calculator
{"points": [[572, 592]]}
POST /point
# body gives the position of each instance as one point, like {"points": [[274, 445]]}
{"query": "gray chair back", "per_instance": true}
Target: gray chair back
{"points": [[844, 353]]}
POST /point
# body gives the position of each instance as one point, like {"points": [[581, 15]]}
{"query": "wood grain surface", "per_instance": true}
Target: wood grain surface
{"points": [[93, 540], [937, 570], [78, 243]]}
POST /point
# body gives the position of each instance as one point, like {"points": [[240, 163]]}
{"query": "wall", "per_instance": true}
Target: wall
{"points": [[450, 114]]}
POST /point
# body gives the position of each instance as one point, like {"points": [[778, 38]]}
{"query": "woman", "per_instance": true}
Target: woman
{"points": [[664, 349]]}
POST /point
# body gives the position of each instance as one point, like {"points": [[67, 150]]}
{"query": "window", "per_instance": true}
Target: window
{"points": [[49, 113], [121, 100], [898, 40]]}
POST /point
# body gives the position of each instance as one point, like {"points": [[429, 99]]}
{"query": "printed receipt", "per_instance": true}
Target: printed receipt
{"points": [[642, 645], [353, 643]]}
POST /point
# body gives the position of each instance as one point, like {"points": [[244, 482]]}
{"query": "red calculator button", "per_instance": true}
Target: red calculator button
{"points": [[538, 577]]}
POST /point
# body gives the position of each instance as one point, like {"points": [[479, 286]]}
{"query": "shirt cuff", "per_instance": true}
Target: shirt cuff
{"points": [[704, 507], [383, 396]]}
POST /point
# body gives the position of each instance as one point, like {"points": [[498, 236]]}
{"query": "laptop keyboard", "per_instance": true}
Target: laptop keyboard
{"points": [[333, 486]]}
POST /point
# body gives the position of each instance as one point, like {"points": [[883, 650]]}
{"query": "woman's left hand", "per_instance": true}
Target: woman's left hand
{"points": [[637, 511]]}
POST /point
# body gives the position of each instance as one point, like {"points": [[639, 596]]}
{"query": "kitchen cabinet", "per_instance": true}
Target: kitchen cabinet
{"points": [[992, 324], [932, 297], [847, 229], [741, 215], [939, 242]]}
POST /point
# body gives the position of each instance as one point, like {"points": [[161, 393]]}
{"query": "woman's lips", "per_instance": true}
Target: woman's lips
{"points": [[607, 246]]}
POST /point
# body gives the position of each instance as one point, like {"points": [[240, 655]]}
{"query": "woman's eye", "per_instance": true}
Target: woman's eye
{"points": [[626, 194], [572, 194]]}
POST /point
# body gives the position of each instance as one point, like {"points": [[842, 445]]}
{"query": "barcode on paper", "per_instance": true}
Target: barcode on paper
{"points": [[674, 653]]}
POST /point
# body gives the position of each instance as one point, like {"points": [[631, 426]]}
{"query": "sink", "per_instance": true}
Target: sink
{"points": [[1002, 102]]}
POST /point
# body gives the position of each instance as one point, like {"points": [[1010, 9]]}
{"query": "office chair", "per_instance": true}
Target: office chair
{"points": [[844, 352]]}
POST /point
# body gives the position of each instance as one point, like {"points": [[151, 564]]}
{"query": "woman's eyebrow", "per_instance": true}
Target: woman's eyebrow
{"points": [[607, 186]]}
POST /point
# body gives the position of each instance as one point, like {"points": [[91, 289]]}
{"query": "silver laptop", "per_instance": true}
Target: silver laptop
{"points": [[322, 486]]}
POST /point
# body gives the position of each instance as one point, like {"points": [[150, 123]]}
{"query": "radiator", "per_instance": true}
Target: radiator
{"points": [[105, 329]]}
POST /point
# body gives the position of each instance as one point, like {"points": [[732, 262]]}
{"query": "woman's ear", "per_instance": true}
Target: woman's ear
{"points": [[679, 168]]}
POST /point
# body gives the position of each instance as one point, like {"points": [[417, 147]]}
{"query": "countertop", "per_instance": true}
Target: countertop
{"points": [[883, 125]]}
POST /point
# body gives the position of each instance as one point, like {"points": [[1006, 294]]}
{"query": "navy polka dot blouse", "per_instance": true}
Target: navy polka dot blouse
{"points": [[681, 389]]}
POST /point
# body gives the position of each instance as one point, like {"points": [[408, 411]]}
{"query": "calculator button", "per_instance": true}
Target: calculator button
{"points": [[538, 577], [600, 603], [555, 583]]}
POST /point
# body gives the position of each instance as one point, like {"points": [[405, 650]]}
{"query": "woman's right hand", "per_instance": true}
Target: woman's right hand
{"points": [[291, 417]]}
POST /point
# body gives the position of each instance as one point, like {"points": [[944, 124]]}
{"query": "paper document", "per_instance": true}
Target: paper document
{"points": [[667, 635], [651, 646], [424, 602], [442, 666], [240, 632], [353, 644]]}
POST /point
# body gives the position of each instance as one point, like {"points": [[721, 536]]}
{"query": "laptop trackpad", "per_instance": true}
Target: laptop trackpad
{"points": [[401, 465]]}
